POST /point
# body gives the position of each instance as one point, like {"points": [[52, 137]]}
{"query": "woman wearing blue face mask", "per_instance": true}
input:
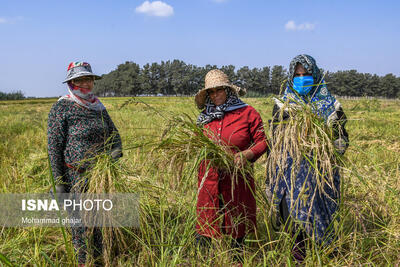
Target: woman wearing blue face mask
{"points": [[312, 215]]}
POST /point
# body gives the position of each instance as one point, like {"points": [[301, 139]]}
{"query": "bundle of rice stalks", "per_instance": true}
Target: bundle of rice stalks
{"points": [[183, 140], [298, 134], [104, 177]]}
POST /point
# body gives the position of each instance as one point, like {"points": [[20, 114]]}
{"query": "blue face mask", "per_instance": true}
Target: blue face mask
{"points": [[303, 84]]}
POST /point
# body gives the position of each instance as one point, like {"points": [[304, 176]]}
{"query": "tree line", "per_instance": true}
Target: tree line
{"points": [[178, 78], [12, 96]]}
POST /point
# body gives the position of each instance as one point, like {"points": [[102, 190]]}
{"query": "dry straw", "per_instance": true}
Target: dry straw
{"points": [[183, 140], [105, 177], [297, 132]]}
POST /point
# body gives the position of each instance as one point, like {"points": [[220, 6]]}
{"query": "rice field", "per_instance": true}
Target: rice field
{"points": [[368, 230]]}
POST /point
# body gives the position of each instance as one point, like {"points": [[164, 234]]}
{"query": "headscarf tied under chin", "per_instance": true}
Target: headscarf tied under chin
{"points": [[212, 112], [323, 103], [83, 97]]}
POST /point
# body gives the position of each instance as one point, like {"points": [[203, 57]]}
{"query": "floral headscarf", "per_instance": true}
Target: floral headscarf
{"points": [[212, 112], [83, 97], [308, 63], [324, 104]]}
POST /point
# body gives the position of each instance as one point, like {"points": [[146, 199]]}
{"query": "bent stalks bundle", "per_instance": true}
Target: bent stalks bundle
{"points": [[183, 140], [299, 135], [105, 177]]}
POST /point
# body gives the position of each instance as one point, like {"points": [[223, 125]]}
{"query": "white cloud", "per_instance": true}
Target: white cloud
{"points": [[10, 20], [156, 8], [292, 26], [220, 1]]}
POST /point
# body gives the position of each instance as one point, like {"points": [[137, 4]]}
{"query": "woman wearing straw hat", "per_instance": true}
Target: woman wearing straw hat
{"points": [[79, 127], [302, 194], [226, 204]]}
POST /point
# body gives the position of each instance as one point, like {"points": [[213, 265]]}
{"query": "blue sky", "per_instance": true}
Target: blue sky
{"points": [[39, 38]]}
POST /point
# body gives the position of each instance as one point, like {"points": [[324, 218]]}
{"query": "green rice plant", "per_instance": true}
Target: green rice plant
{"points": [[68, 246], [5, 260], [367, 105]]}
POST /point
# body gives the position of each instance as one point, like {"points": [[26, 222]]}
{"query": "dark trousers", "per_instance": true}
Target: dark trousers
{"points": [[299, 248]]}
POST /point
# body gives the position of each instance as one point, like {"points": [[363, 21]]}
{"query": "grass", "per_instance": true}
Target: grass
{"points": [[368, 232]]}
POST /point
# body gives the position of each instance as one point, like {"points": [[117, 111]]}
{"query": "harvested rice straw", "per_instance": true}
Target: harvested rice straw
{"points": [[183, 140], [104, 177], [302, 135]]}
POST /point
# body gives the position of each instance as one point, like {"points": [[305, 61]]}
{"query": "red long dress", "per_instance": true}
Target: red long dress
{"points": [[219, 211]]}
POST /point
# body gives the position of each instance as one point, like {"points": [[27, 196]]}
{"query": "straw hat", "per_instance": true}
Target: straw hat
{"points": [[215, 79]]}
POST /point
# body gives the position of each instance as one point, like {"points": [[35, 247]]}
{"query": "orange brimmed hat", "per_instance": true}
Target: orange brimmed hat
{"points": [[215, 79]]}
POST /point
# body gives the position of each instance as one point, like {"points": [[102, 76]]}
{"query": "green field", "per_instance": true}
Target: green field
{"points": [[368, 232]]}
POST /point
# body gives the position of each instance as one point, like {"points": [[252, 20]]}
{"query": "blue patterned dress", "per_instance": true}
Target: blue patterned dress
{"points": [[305, 203]]}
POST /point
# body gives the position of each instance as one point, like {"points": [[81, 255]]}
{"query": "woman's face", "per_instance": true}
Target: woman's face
{"points": [[86, 82], [217, 95], [300, 71]]}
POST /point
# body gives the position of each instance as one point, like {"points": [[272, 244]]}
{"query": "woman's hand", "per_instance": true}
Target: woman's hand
{"points": [[242, 157], [340, 145]]}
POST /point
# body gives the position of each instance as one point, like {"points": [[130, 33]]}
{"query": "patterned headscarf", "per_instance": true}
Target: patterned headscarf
{"points": [[324, 104], [212, 112], [83, 97], [309, 64], [84, 93]]}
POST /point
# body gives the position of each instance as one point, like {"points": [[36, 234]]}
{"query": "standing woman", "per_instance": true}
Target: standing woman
{"points": [[226, 204], [79, 127], [313, 214]]}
